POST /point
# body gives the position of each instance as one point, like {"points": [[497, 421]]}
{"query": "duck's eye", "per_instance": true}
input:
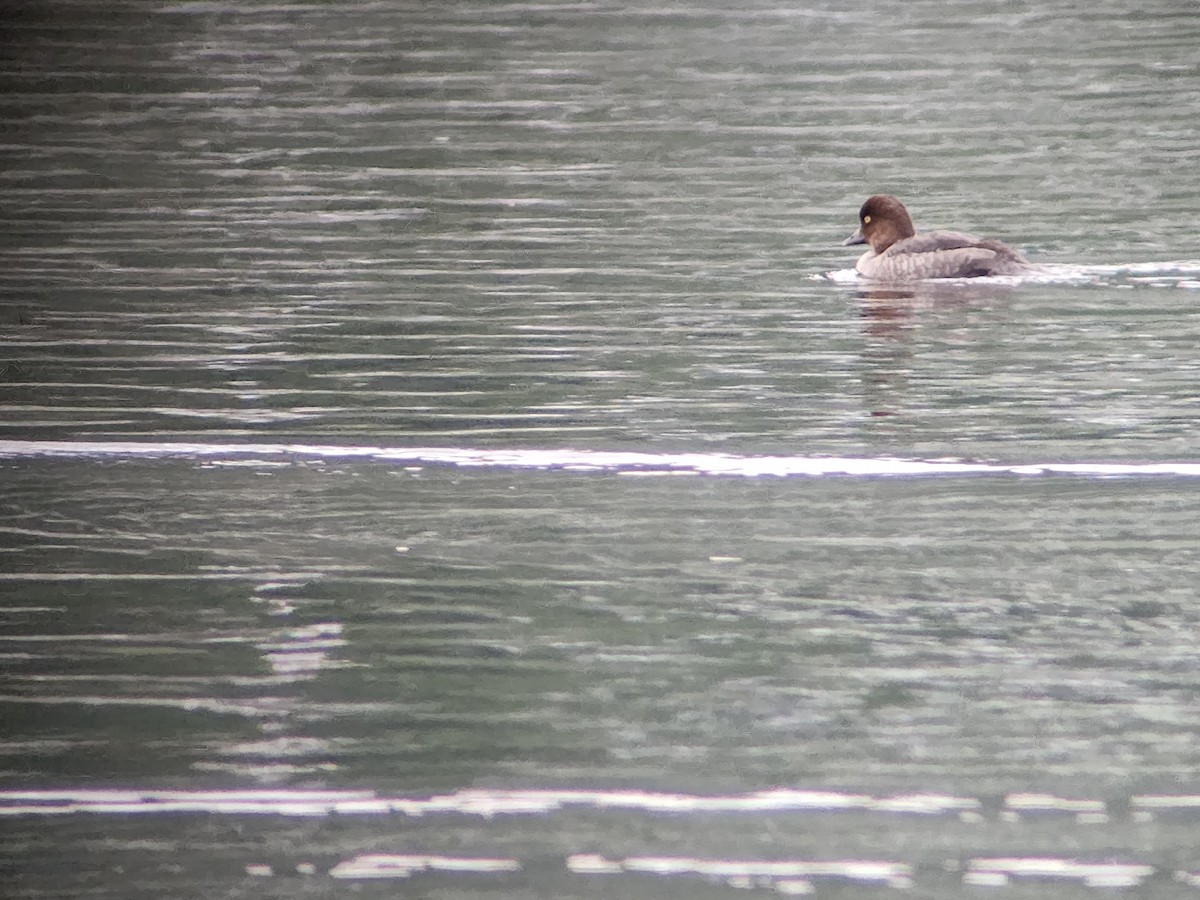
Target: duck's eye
{"points": [[866, 220]]}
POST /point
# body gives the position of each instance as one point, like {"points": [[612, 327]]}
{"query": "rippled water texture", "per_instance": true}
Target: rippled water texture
{"points": [[444, 449], [595, 225]]}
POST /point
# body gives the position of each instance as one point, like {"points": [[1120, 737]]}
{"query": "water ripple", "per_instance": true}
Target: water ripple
{"points": [[782, 875]]}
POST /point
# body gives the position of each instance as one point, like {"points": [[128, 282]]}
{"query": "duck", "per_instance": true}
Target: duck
{"points": [[898, 253]]}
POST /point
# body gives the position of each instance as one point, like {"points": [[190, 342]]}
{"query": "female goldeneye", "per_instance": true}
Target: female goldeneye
{"points": [[898, 253]]}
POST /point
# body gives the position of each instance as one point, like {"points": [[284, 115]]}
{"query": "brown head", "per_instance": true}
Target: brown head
{"points": [[882, 221]]}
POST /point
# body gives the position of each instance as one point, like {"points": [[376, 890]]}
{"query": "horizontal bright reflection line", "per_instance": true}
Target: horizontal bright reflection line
{"points": [[1000, 872], [595, 460], [488, 803], [469, 802], [386, 865], [791, 876]]}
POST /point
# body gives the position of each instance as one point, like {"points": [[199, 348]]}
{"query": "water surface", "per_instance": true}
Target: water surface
{"points": [[442, 451]]}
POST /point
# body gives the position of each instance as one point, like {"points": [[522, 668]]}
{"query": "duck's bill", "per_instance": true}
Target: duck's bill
{"points": [[856, 238]]}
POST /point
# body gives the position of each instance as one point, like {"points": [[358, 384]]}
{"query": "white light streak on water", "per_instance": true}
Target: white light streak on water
{"points": [[622, 462]]}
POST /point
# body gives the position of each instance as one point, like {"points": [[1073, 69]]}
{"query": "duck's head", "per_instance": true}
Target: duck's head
{"points": [[882, 221]]}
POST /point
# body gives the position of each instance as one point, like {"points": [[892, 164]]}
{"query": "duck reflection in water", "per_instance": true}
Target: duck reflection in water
{"points": [[891, 315], [890, 318]]}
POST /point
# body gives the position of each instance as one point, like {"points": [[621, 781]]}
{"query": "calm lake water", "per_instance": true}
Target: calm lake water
{"points": [[444, 451]]}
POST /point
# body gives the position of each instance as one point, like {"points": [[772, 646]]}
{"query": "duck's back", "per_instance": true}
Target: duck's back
{"points": [[942, 254]]}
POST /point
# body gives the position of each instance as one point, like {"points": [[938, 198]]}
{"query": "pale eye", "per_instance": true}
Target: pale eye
{"points": [[866, 220]]}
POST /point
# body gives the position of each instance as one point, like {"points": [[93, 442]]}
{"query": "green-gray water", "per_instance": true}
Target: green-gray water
{"points": [[544, 523]]}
